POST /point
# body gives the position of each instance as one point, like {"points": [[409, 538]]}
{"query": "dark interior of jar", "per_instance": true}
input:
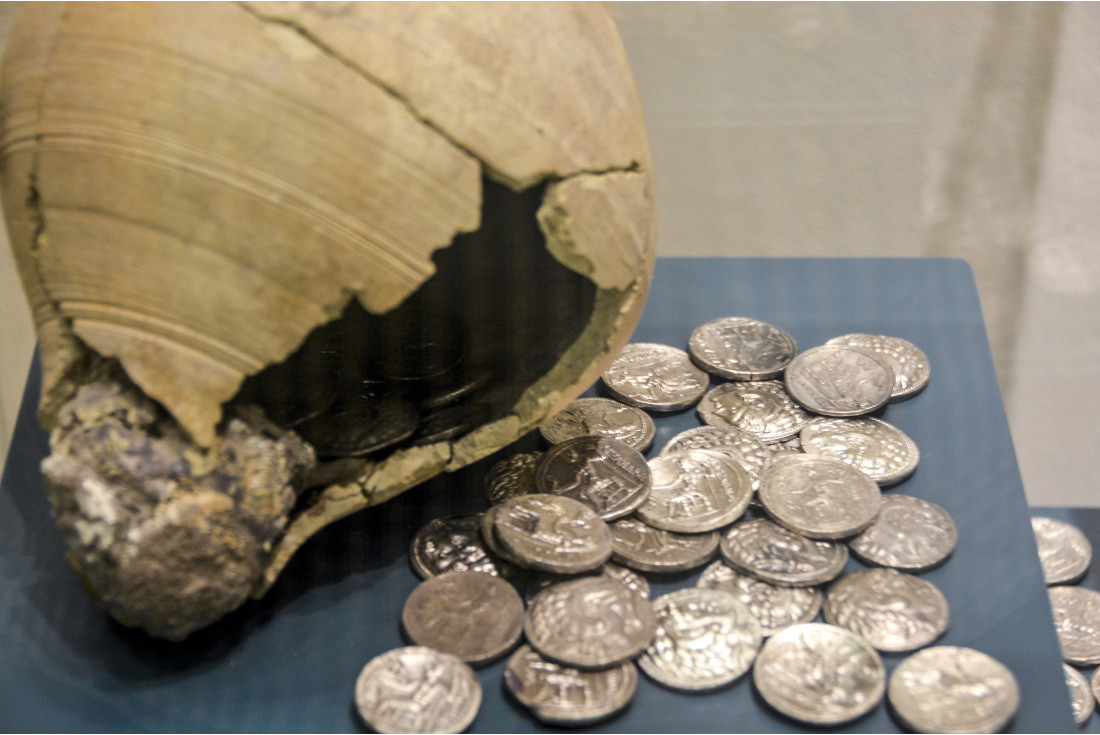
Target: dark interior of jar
{"points": [[498, 313]]}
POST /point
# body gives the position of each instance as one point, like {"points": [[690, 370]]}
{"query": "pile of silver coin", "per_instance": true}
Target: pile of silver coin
{"points": [[767, 499]]}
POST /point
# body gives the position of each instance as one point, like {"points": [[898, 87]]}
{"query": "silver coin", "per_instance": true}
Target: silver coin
{"points": [[1080, 694], [820, 674], [589, 622], [910, 365], [655, 377], [452, 544], [894, 611], [630, 579], [838, 380], [505, 561], [794, 444], [747, 449], [909, 534], [604, 474], [775, 607], [640, 546], [511, 476], [1077, 622], [739, 348], [563, 695], [768, 551], [763, 409], [705, 638], [1064, 552], [1094, 684], [952, 689], [417, 689], [880, 450], [819, 496], [695, 490], [551, 533], [477, 617], [600, 417]]}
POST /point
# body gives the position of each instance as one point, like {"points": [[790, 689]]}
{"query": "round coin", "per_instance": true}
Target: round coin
{"points": [[880, 450], [1077, 622], [563, 695], [819, 497], [511, 476], [768, 551], [705, 639], [763, 409], [1064, 552], [640, 546], [630, 579], [551, 533], [695, 490], [655, 377], [739, 348], [451, 544], [600, 417], [477, 617], [838, 380], [360, 426], [775, 607], [952, 689], [894, 611], [1094, 684], [819, 673], [589, 622], [909, 364], [747, 449], [417, 689], [1080, 694], [909, 534], [604, 474]]}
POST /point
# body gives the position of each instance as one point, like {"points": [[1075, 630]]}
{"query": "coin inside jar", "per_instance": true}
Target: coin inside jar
{"points": [[655, 377], [603, 473]]}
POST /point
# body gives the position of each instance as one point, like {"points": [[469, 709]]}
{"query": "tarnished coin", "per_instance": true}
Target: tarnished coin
{"points": [[909, 534], [589, 622], [746, 448], [451, 544], [775, 607], [838, 380], [761, 408], [819, 673], [894, 611], [705, 639], [768, 551], [880, 450], [511, 477], [819, 497], [359, 426], [1077, 622], [417, 689], [563, 695], [910, 365], [600, 417], [1080, 694], [640, 546], [1064, 552], [953, 690], [655, 377], [739, 348], [551, 533], [695, 490], [627, 577], [477, 617], [604, 474]]}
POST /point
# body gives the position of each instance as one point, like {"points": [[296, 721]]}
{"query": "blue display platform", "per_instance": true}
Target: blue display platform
{"points": [[288, 663]]}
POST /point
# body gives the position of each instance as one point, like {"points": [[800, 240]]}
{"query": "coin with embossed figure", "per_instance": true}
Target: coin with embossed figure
{"points": [[774, 606], [818, 496], [655, 377], [839, 380], [1064, 552], [605, 474], [740, 348], [895, 611], [820, 674], [909, 363], [475, 616], [511, 476], [640, 546], [761, 408], [768, 551], [695, 490], [1077, 622], [880, 450], [600, 417], [1080, 694], [705, 639], [1094, 684], [627, 577], [952, 689], [563, 695], [452, 544], [551, 533], [417, 689], [909, 533], [746, 448], [590, 622]]}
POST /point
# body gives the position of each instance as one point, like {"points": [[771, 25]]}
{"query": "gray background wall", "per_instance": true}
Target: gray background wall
{"points": [[873, 129]]}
